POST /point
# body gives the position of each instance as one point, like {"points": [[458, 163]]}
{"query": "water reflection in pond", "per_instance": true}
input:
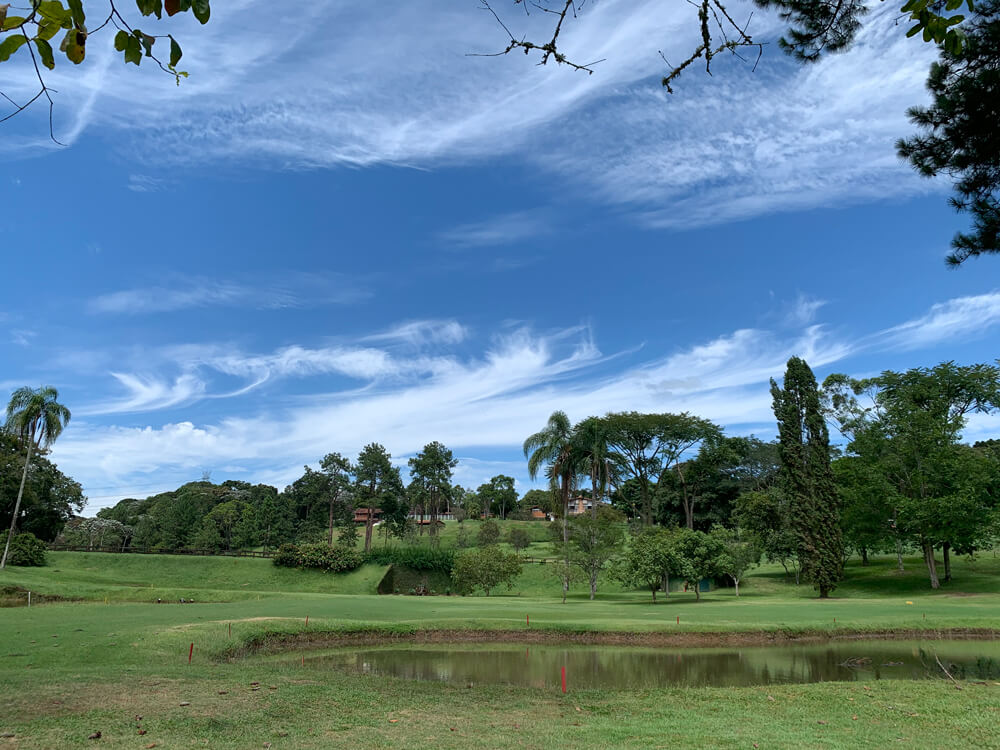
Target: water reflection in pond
{"points": [[633, 667]]}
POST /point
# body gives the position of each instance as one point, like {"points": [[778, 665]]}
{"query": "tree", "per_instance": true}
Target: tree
{"points": [[738, 554], [698, 555], [595, 540], [652, 444], [485, 568], [905, 428], [37, 419], [806, 476], [766, 515], [431, 470], [518, 539], [489, 533], [375, 478], [50, 498], [649, 560], [552, 448], [340, 480], [498, 495], [591, 445], [544, 500], [958, 133]]}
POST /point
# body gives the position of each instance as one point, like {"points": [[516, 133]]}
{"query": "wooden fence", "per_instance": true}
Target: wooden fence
{"points": [[160, 551]]}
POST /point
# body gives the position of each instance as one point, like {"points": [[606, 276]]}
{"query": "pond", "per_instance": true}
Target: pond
{"points": [[630, 667]]}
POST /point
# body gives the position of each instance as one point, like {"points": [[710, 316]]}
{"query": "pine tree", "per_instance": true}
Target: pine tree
{"points": [[806, 476]]}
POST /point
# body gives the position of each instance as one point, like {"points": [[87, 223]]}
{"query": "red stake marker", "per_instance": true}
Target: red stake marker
{"points": [[564, 679], [678, 619], [303, 660], [307, 621], [190, 653]]}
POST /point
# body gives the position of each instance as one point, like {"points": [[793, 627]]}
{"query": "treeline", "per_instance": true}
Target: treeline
{"points": [[901, 481], [332, 504]]}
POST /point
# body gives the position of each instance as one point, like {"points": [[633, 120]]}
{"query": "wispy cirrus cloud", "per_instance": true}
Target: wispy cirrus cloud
{"points": [[419, 332], [722, 148], [961, 317], [503, 229], [478, 404], [184, 293]]}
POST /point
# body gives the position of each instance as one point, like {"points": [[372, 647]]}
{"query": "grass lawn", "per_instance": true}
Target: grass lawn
{"points": [[70, 669]]}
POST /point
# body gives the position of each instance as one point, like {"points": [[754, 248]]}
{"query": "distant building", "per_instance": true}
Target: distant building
{"points": [[361, 515], [580, 505]]}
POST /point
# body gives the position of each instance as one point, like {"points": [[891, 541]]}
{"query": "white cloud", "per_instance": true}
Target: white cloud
{"points": [[400, 89], [960, 317], [476, 405], [504, 229], [419, 332], [287, 290], [148, 393]]}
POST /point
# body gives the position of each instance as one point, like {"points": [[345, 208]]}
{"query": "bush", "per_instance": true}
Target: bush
{"points": [[417, 558], [485, 569], [319, 556], [26, 550], [287, 556], [518, 539], [489, 533]]}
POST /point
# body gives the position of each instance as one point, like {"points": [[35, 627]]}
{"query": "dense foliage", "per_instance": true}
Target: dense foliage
{"points": [[485, 569], [26, 549]]}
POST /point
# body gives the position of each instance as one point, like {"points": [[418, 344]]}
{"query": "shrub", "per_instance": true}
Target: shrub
{"points": [[26, 549], [485, 569], [489, 533], [518, 539], [318, 556], [417, 558]]}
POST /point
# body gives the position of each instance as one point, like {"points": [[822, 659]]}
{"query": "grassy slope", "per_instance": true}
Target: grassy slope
{"points": [[71, 669]]}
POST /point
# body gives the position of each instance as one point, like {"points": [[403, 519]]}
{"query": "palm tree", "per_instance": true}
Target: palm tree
{"points": [[37, 419], [594, 456], [552, 447]]}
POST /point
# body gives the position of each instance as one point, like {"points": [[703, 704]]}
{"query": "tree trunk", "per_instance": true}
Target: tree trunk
{"points": [[593, 500], [17, 505], [824, 592], [565, 521], [330, 540], [647, 502], [688, 504], [864, 557], [736, 582], [899, 555], [697, 590], [653, 589], [946, 550], [666, 584], [593, 585], [369, 525], [931, 565]]}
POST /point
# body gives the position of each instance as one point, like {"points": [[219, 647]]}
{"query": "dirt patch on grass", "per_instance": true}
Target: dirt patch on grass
{"points": [[189, 625], [17, 596], [279, 642]]}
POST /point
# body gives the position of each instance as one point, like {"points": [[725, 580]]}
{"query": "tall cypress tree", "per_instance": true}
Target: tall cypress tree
{"points": [[806, 476]]}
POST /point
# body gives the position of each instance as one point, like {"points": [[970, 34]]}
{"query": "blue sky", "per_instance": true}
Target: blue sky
{"points": [[309, 246]]}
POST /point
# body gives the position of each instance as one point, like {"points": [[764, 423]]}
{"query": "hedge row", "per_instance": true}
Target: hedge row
{"points": [[341, 559]]}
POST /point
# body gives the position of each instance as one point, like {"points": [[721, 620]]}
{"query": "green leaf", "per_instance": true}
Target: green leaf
{"points": [[74, 45], [76, 10], [47, 28], [928, 34], [147, 42], [150, 7], [172, 7], [913, 31], [201, 10], [11, 22], [954, 20], [121, 40], [54, 9], [175, 52], [10, 45], [45, 52], [953, 5], [133, 51]]}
